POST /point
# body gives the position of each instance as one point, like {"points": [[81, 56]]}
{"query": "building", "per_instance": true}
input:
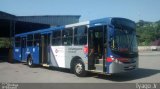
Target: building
{"points": [[12, 24], [52, 20]]}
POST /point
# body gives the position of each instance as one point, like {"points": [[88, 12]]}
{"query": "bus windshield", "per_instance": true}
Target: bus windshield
{"points": [[124, 41]]}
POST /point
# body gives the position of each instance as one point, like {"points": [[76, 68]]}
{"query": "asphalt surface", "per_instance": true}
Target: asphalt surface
{"points": [[148, 72]]}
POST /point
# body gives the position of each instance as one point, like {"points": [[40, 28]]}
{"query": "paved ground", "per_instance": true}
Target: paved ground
{"points": [[149, 71], [149, 53]]}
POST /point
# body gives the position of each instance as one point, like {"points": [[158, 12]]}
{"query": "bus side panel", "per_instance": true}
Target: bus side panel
{"points": [[61, 56], [17, 54], [57, 56], [34, 51], [24, 54], [35, 55], [75, 51]]}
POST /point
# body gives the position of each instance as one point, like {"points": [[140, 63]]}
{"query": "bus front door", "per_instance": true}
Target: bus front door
{"points": [[96, 55], [45, 45]]}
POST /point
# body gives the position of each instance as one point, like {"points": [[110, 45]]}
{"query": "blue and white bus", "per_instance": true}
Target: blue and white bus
{"points": [[107, 45]]}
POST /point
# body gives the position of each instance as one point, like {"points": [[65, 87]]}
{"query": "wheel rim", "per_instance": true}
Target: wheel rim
{"points": [[78, 68], [30, 61]]}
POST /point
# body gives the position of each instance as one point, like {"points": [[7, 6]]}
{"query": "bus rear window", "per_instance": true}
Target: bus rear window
{"points": [[17, 44], [17, 41]]}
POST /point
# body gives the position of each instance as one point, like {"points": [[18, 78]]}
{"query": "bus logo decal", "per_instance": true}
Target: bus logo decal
{"points": [[56, 50]]}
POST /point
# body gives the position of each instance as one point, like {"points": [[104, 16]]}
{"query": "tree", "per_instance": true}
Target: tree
{"points": [[5, 43], [148, 32]]}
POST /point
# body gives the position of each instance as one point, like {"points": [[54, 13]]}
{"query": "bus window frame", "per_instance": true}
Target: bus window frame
{"points": [[30, 40], [56, 38], [17, 42], [36, 40], [66, 36], [77, 35]]}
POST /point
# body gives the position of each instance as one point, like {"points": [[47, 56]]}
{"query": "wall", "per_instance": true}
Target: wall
{"points": [[149, 48]]}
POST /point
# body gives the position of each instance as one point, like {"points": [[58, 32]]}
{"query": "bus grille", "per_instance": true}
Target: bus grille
{"points": [[130, 61], [129, 68]]}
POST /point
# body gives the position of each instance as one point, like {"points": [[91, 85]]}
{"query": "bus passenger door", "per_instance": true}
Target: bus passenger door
{"points": [[96, 45], [45, 45], [23, 49]]}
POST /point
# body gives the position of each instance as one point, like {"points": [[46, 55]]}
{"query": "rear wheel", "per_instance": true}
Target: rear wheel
{"points": [[30, 62], [79, 68]]}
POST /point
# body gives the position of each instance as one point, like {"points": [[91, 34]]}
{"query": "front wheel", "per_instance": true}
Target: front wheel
{"points": [[79, 69]]}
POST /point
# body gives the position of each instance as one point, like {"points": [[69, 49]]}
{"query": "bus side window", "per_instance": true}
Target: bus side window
{"points": [[30, 40], [56, 38], [37, 38], [23, 42], [80, 35], [67, 36]]}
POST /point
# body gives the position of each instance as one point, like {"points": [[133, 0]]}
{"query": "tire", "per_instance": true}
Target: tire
{"points": [[79, 69], [30, 62]]}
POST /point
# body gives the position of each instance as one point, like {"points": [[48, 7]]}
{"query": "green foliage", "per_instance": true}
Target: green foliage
{"points": [[5, 43], [148, 32]]}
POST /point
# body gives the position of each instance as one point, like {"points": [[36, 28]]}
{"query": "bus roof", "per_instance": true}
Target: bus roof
{"points": [[89, 23]]}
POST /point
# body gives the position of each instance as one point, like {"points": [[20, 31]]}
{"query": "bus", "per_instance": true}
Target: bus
{"points": [[107, 45]]}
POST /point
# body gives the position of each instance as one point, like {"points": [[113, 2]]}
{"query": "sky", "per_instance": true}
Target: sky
{"points": [[148, 10]]}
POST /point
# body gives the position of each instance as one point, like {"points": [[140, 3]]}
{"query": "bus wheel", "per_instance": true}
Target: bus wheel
{"points": [[30, 62], [79, 69]]}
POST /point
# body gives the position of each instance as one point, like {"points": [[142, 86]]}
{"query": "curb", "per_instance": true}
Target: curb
{"points": [[149, 53]]}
